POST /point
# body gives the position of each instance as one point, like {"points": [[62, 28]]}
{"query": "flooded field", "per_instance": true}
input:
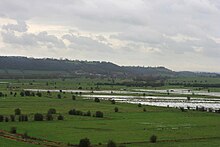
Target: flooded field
{"points": [[180, 91], [163, 101], [192, 103]]}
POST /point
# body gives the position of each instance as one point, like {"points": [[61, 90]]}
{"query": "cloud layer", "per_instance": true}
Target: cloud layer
{"points": [[182, 35]]}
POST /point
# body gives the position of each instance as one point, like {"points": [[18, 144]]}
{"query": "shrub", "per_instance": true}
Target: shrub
{"points": [[59, 96], [116, 109], [27, 93], [97, 100], [23, 118], [22, 93], [6, 119], [2, 94], [38, 117], [84, 142], [12, 117], [60, 117], [153, 139], [72, 112], [49, 116], [73, 97], [25, 135], [1, 118], [13, 130], [144, 109], [99, 114], [17, 111], [51, 111], [113, 101], [39, 94], [111, 144], [139, 105], [182, 109], [88, 113]]}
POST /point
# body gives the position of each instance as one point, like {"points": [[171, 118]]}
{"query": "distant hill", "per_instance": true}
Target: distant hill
{"points": [[23, 67]]}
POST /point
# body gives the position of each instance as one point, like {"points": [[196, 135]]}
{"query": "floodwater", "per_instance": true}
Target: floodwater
{"points": [[213, 103], [181, 91]]}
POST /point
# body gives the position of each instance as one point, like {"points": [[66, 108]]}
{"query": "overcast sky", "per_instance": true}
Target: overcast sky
{"points": [[178, 34]]}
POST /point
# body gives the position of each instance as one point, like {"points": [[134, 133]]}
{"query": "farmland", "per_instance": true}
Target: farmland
{"points": [[130, 126]]}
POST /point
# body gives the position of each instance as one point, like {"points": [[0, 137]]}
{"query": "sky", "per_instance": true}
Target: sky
{"points": [[183, 35]]}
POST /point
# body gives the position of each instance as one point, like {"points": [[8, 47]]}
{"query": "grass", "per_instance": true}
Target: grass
{"points": [[130, 125]]}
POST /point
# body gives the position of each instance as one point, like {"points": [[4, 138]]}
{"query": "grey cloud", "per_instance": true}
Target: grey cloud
{"points": [[136, 24], [86, 43], [29, 39], [19, 27]]}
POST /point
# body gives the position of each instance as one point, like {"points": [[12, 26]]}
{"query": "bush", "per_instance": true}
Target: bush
{"points": [[88, 113], [144, 109], [39, 94], [99, 114], [12, 117], [59, 96], [49, 117], [116, 109], [13, 130], [25, 135], [38, 117], [153, 139], [51, 111], [22, 93], [6, 119], [97, 100], [84, 142], [60, 117], [17, 111], [27, 93], [73, 97], [23, 118], [139, 105], [113, 102], [111, 144], [72, 112], [2, 94], [1, 118]]}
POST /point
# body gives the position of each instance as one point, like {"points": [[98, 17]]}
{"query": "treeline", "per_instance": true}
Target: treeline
{"points": [[205, 85]]}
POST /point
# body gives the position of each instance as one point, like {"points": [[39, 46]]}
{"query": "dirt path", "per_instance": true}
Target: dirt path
{"points": [[31, 140]]}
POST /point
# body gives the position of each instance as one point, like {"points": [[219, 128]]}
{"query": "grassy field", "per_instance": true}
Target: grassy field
{"points": [[130, 126]]}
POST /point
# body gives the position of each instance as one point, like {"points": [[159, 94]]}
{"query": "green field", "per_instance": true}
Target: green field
{"points": [[130, 126]]}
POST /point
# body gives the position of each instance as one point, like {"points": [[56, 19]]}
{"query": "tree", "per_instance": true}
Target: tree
{"points": [[12, 117], [38, 117], [113, 101], [97, 100], [17, 111], [59, 96], [1, 118], [73, 97], [60, 117], [84, 142], [116, 109], [49, 117], [22, 93], [51, 111], [99, 114], [38, 94], [188, 98], [13, 130], [111, 144], [153, 139], [139, 105], [6, 119]]}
